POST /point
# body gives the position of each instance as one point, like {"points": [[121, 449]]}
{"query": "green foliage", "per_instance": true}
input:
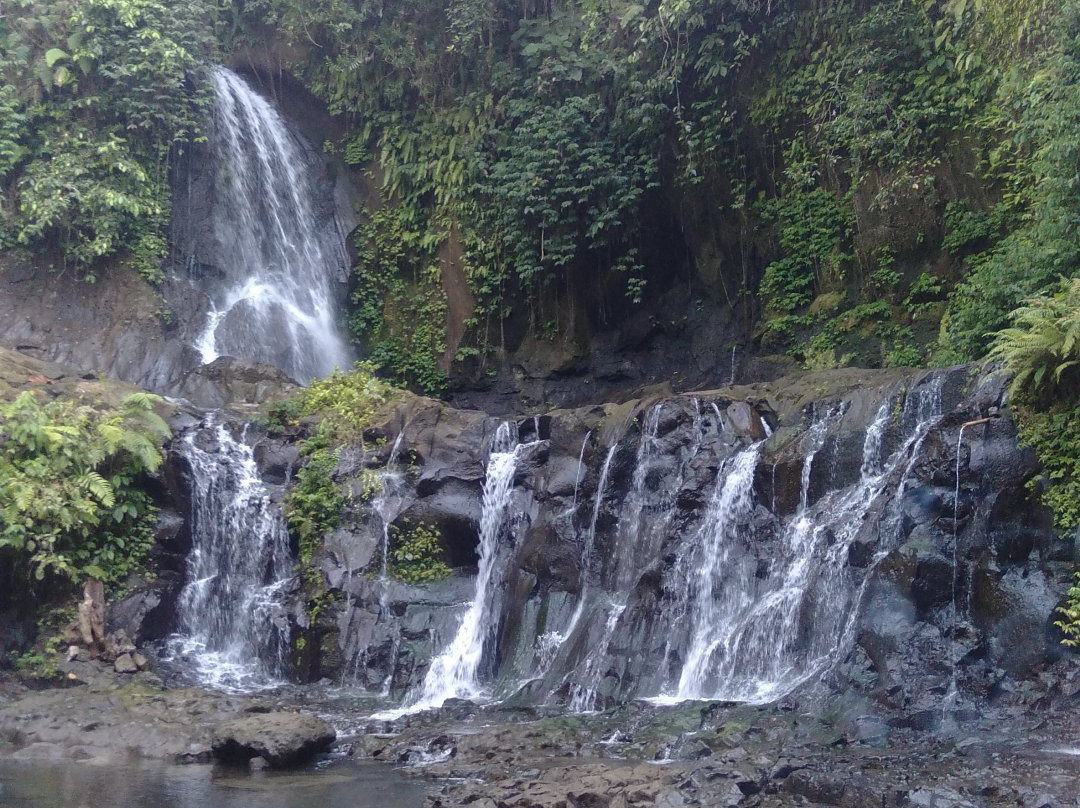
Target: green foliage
{"points": [[1032, 131], [282, 414], [563, 185], [814, 234], [42, 661], [345, 403], [1054, 435], [70, 501], [95, 96], [416, 556], [43, 665], [532, 136], [312, 509], [1070, 616], [528, 133], [313, 505], [1042, 348], [903, 354], [399, 307]]}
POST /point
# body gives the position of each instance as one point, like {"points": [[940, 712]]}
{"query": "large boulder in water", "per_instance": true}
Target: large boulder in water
{"points": [[281, 739]]}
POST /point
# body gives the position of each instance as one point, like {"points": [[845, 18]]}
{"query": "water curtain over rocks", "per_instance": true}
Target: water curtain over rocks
{"points": [[686, 548], [230, 614]]}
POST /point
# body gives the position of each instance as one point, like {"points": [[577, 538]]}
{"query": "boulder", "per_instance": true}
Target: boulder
{"points": [[125, 663], [281, 739], [233, 383]]}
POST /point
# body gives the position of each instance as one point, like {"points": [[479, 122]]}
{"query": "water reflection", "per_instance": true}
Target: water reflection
{"points": [[345, 784]]}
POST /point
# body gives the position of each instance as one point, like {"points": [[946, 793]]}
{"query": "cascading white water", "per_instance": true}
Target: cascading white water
{"points": [[727, 514], [387, 504], [723, 620], [589, 544], [453, 673], [583, 694], [580, 474], [231, 623], [277, 304], [646, 514], [756, 638], [549, 643]]}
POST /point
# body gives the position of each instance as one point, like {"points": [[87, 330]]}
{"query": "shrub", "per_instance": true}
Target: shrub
{"points": [[1042, 348], [70, 501], [345, 403], [416, 556], [1070, 616]]}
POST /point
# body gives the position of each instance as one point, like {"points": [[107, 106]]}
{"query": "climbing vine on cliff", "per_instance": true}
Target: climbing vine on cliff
{"points": [[399, 307], [1042, 351]]}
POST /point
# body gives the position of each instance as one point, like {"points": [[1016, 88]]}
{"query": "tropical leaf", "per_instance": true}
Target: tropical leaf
{"points": [[54, 55]]}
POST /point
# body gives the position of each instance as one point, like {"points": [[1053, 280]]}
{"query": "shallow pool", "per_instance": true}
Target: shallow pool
{"points": [[342, 784]]}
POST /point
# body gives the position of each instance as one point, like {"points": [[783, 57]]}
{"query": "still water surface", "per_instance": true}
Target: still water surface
{"points": [[345, 784]]}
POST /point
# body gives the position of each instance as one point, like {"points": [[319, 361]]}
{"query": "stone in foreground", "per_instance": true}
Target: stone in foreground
{"points": [[283, 740]]}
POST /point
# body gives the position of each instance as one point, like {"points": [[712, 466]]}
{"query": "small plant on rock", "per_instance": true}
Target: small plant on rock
{"points": [[417, 556]]}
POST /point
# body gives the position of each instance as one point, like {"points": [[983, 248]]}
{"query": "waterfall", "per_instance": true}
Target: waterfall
{"points": [[453, 673], [276, 304], [231, 623], [645, 516], [548, 644], [759, 632], [388, 504], [728, 512]]}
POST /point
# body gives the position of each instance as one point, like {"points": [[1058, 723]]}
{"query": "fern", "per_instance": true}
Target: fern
{"points": [[98, 487], [70, 501], [1042, 348]]}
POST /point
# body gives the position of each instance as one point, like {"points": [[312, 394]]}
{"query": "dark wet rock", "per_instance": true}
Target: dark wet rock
{"points": [[112, 327], [147, 613], [235, 384], [277, 459], [283, 740], [745, 420], [118, 717], [904, 645], [933, 584], [816, 787]]}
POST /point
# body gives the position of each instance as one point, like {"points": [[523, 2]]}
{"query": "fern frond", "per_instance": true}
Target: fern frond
{"points": [[98, 487]]}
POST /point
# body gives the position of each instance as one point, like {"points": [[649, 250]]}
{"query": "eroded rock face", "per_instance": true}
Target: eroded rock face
{"points": [[946, 591], [283, 740], [233, 384]]}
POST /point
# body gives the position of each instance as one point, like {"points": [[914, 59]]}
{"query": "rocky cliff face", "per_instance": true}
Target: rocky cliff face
{"points": [[872, 555]]}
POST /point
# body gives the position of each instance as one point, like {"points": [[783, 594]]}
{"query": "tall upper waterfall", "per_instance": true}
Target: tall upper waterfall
{"points": [[277, 301]]}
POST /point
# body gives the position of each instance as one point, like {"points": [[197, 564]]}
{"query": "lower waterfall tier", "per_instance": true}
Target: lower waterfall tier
{"points": [[749, 544]]}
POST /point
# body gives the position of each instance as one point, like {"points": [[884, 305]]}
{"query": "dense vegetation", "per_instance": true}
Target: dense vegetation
{"points": [[882, 182], [95, 95], [71, 501], [1042, 351], [896, 175], [342, 406]]}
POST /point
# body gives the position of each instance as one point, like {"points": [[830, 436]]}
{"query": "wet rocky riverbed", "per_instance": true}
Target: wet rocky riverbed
{"points": [[71, 746]]}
